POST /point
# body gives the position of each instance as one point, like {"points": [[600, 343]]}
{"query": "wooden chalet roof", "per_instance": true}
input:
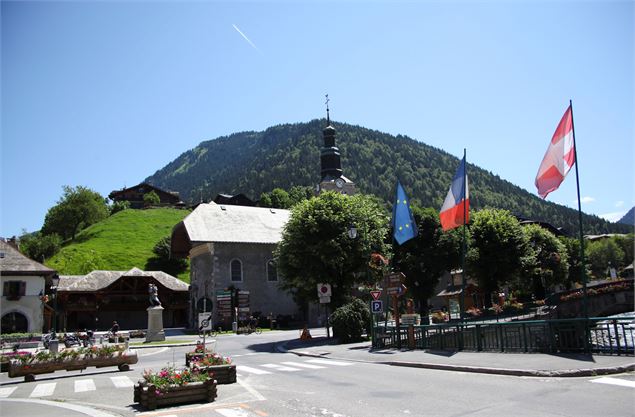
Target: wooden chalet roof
{"points": [[114, 194], [13, 262], [213, 222], [97, 280]]}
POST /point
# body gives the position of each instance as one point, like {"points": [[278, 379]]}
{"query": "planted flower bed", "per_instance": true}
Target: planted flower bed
{"points": [[44, 362], [171, 386], [204, 360]]}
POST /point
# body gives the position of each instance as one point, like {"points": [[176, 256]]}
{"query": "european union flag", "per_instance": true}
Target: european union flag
{"points": [[404, 227]]}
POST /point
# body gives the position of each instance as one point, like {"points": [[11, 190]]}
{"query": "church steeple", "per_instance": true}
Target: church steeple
{"points": [[330, 154], [331, 165]]}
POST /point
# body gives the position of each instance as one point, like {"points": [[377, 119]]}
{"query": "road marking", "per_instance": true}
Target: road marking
{"points": [[84, 385], [303, 365], [150, 352], [329, 362], [615, 381], [88, 411], [121, 381], [241, 368], [251, 390], [233, 412], [43, 390], [279, 367], [5, 392]]}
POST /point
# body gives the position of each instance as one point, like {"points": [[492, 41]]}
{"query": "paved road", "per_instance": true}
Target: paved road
{"points": [[283, 384]]}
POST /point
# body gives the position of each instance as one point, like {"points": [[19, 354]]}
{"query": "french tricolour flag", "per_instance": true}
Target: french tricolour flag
{"points": [[456, 207], [559, 158]]}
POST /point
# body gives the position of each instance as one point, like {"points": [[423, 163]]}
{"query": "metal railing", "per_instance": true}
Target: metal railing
{"points": [[612, 336]]}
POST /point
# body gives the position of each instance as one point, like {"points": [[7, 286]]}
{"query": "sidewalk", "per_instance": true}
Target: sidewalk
{"points": [[519, 364]]}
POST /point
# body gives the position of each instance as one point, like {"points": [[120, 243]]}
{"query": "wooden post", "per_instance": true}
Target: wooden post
{"points": [[411, 327], [395, 303]]}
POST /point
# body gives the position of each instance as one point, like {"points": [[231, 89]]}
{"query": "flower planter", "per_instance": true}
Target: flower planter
{"points": [[29, 370], [223, 374], [150, 397]]}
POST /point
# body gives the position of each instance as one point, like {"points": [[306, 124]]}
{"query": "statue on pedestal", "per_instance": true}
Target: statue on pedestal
{"points": [[154, 297]]}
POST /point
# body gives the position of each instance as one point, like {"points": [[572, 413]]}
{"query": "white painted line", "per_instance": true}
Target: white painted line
{"points": [[329, 362], [251, 390], [92, 412], [121, 381], [248, 369], [255, 353], [277, 367], [233, 412], [303, 365], [615, 381], [43, 390], [5, 392], [84, 385], [150, 352]]}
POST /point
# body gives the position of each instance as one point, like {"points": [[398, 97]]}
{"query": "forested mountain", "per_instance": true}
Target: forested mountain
{"points": [[287, 155], [629, 218]]}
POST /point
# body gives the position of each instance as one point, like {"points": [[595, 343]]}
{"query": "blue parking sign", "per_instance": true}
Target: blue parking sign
{"points": [[376, 306]]}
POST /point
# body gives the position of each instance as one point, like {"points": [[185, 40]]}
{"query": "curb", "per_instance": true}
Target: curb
{"points": [[481, 370]]}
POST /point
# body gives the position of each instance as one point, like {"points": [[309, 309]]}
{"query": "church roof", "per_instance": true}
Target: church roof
{"points": [[13, 262], [239, 224], [96, 280]]}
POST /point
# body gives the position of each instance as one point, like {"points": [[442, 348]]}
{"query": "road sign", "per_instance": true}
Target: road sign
{"points": [[325, 300], [410, 319], [324, 290], [375, 294], [377, 306]]}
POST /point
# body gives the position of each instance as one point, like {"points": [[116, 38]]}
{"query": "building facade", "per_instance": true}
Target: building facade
{"points": [[233, 273], [23, 283]]}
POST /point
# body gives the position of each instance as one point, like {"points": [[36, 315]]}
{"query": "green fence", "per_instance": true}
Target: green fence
{"points": [[612, 336]]}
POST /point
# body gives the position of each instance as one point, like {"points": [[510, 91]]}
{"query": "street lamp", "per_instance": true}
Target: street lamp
{"points": [[55, 280], [352, 231]]}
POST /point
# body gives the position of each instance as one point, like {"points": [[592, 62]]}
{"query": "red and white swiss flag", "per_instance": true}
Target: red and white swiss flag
{"points": [[559, 158]]}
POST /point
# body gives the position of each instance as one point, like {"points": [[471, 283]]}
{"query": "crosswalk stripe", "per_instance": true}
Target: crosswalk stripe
{"points": [[241, 368], [233, 412], [121, 381], [5, 392], [303, 365], [329, 362], [279, 367], [615, 381], [84, 385], [43, 390]]}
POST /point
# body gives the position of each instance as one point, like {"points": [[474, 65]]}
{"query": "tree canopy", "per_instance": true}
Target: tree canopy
{"points": [[78, 208], [316, 246]]}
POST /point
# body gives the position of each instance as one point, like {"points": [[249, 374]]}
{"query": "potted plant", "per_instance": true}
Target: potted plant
{"points": [[44, 361], [172, 386], [222, 367]]}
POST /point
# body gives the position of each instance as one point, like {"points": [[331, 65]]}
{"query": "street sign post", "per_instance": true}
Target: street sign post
{"points": [[377, 306]]}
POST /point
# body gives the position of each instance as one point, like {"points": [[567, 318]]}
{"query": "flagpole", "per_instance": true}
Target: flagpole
{"points": [[577, 182], [464, 240]]}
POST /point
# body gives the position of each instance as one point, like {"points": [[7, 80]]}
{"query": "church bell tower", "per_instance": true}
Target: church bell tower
{"points": [[330, 163]]}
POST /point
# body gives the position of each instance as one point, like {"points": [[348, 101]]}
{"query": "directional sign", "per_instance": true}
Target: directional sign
{"points": [[376, 294], [376, 306]]}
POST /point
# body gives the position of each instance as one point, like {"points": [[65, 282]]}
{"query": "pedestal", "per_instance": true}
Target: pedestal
{"points": [[155, 325]]}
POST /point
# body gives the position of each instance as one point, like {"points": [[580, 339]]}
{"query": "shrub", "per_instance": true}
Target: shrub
{"points": [[350, 321]]}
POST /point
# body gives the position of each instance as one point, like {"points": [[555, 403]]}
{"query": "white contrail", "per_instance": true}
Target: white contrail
{"points": [[246, 38]]}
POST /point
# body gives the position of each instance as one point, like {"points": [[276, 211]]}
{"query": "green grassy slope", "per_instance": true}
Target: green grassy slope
{"points": [[119, 243]]}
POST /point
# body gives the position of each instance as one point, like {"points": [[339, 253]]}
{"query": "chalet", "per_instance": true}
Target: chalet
{"points": [[231, 261], [23, 284], [234, 200], [135, 195], [95, 300]]}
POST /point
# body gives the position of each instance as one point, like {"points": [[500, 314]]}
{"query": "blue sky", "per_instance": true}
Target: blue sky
{"points": [[102, 94]]}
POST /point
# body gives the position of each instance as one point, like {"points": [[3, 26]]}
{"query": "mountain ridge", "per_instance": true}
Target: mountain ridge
{"points": [[288, 154]]}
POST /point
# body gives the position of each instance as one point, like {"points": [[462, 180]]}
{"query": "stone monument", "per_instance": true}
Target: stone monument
{"points": [[155, 331]]}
